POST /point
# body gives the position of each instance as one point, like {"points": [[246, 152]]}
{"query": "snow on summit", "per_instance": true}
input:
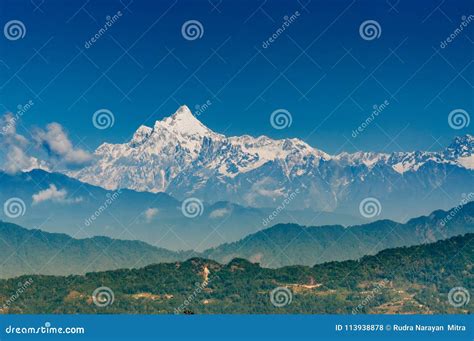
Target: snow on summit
{"points": [[180, 142], [184, 122], [181, 156]]}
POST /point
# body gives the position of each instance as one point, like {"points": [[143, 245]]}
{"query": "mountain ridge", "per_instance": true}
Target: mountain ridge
{"points": [[398, 280], [27, 251], [156, 218], [290, 244], [182, 157], [33, 251]]}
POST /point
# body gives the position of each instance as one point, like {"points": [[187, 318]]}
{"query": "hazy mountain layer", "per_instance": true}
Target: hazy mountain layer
{"points": [[292, 244], [56, 203], [25, 251]]}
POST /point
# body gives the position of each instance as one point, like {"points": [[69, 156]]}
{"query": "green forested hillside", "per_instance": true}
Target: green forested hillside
{"points": [[403, 280], [290, 244], [24, 251]]}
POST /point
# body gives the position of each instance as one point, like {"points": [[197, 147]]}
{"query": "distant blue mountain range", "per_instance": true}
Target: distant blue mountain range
{"points": [[54, 202], [24, 251]]}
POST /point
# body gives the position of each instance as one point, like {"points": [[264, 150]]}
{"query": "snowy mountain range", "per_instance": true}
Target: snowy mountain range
{"points": [[184, 158]]}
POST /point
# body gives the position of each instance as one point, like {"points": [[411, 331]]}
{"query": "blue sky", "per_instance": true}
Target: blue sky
{"points": [[319, 69]]}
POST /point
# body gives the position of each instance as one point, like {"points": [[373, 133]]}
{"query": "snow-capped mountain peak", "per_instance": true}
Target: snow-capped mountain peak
{"points": [[462, 145], [183, 122], [182, 157], [183, 125], [462, 151], [142, 133], [180, 144]]}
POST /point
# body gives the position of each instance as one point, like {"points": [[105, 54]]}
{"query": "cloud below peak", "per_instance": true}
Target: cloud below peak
{"points": [[49, 149], [57, 143], [150, 214], [52, 193]]}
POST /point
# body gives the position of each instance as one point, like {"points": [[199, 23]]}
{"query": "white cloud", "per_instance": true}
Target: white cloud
{"points": [[22, 155], [53, 194], [150, 214], [15, 145], [8, 131], [16, 160], [266, 187], [57, 143], [219, 213]]}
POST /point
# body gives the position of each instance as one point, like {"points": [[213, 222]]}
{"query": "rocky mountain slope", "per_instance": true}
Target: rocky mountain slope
{"points": [[184, 158]]}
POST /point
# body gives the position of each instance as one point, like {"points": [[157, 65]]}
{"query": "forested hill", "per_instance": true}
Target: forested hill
{"points": [[413, 279]]}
